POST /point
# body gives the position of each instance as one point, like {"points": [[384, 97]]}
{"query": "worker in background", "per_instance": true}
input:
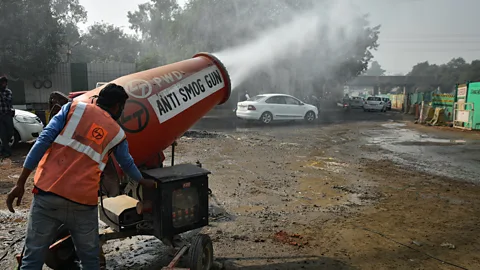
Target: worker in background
{"points": [[346, 99], [6, 118], [244, 96], [71, 154]]}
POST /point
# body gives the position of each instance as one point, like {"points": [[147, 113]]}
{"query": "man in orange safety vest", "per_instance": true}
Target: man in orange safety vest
{"points": [[71, 154]]}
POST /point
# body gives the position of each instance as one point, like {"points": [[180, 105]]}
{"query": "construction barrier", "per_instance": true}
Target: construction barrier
{"points": [[411, 109], [417, 111], [445, 101], [426, 113], [438, 118], [463, 115], [397, 101]]}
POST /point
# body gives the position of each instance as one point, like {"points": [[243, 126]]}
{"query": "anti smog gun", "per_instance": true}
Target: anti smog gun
{"points": [[164, 103]]}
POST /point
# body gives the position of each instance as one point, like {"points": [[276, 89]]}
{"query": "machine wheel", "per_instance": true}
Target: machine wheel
{"points": [[64, 256], [310, 117], [200, 254], [266, 118]]}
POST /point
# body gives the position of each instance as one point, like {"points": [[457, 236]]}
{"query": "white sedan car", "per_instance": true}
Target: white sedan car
{"points": [[374, 104], [272, 107], [27, 127]]}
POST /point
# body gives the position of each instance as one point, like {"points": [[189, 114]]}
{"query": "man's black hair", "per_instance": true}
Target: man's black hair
{"points": [[3, 79], [112, 94]]}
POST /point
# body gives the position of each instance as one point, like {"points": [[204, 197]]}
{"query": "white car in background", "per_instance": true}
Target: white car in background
{"points": [[356, 102], [388, 102], [373, 103], [27, 127], [272, 107]]}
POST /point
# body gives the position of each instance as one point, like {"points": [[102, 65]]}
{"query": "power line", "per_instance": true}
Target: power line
{"points": [[432, 50], [423, 36], [439, 42]]}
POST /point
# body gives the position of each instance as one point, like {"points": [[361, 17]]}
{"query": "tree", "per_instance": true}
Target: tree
{"points": [[157, 23], [375, 70], [105, 42], [447, 75], [34, 33]]}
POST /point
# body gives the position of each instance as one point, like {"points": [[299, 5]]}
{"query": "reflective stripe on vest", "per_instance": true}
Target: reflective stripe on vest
{"points": [[67, 140]]}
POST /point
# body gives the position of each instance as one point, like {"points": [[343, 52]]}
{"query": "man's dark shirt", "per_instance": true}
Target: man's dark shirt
{"points": [[5, 101]]}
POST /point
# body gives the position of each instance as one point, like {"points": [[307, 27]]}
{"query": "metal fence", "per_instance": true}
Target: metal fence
{"points": [[68, 77], [430, 98]]}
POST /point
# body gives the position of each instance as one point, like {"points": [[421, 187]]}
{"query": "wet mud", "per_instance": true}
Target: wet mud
{"points": [[367, 191]]}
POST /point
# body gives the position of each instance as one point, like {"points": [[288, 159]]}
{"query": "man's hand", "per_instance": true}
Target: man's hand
{"points": [[148, 183], [16, 192]]}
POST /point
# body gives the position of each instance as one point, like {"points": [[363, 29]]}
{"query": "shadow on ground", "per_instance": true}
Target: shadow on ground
{"points": [[284, 263], [230, 122], [256, 263]]}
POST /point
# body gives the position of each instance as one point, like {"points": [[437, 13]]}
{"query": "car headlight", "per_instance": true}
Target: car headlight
{"points": [[27, 119]]}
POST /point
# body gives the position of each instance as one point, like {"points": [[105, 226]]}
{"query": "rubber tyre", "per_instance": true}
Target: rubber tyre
{"points": [[310, 117], [16, 139], [266, 118], [63, 257], [200, 254]]}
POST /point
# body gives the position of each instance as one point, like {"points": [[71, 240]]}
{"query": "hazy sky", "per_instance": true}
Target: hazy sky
{"points": [[412, 30]]}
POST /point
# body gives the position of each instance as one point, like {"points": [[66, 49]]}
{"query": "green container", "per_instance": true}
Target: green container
{"points": [[444, 101], [473, 100]]}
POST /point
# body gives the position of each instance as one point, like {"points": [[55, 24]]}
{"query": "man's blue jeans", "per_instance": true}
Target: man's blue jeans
{"points": [[47, 213]]}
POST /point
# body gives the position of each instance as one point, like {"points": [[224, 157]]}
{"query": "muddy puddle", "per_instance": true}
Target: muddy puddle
{"points": [[426, 152]]}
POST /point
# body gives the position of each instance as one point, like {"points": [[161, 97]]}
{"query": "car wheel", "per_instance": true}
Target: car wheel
{"points": [[15, 139], [266, 118], [310, 117]]}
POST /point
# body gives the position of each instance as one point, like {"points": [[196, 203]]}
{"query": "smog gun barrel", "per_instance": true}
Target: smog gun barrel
{"points": [[166, 101]]}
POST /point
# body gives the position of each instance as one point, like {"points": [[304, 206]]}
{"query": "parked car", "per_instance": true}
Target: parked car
{"points": [[374, 104], [272, 107], [388, 103], [27, 127], [356, 102]]}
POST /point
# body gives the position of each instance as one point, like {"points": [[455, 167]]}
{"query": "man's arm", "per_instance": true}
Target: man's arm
{"points": [[6, 97], [9, 98], [46, 138], [125, 160]]}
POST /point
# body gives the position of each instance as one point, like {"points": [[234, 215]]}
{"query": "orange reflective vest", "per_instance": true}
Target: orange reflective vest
{"points": [[72, 166]]}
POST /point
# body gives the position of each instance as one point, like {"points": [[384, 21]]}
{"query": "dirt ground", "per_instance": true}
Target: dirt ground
{"points": [[357, 191]]}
